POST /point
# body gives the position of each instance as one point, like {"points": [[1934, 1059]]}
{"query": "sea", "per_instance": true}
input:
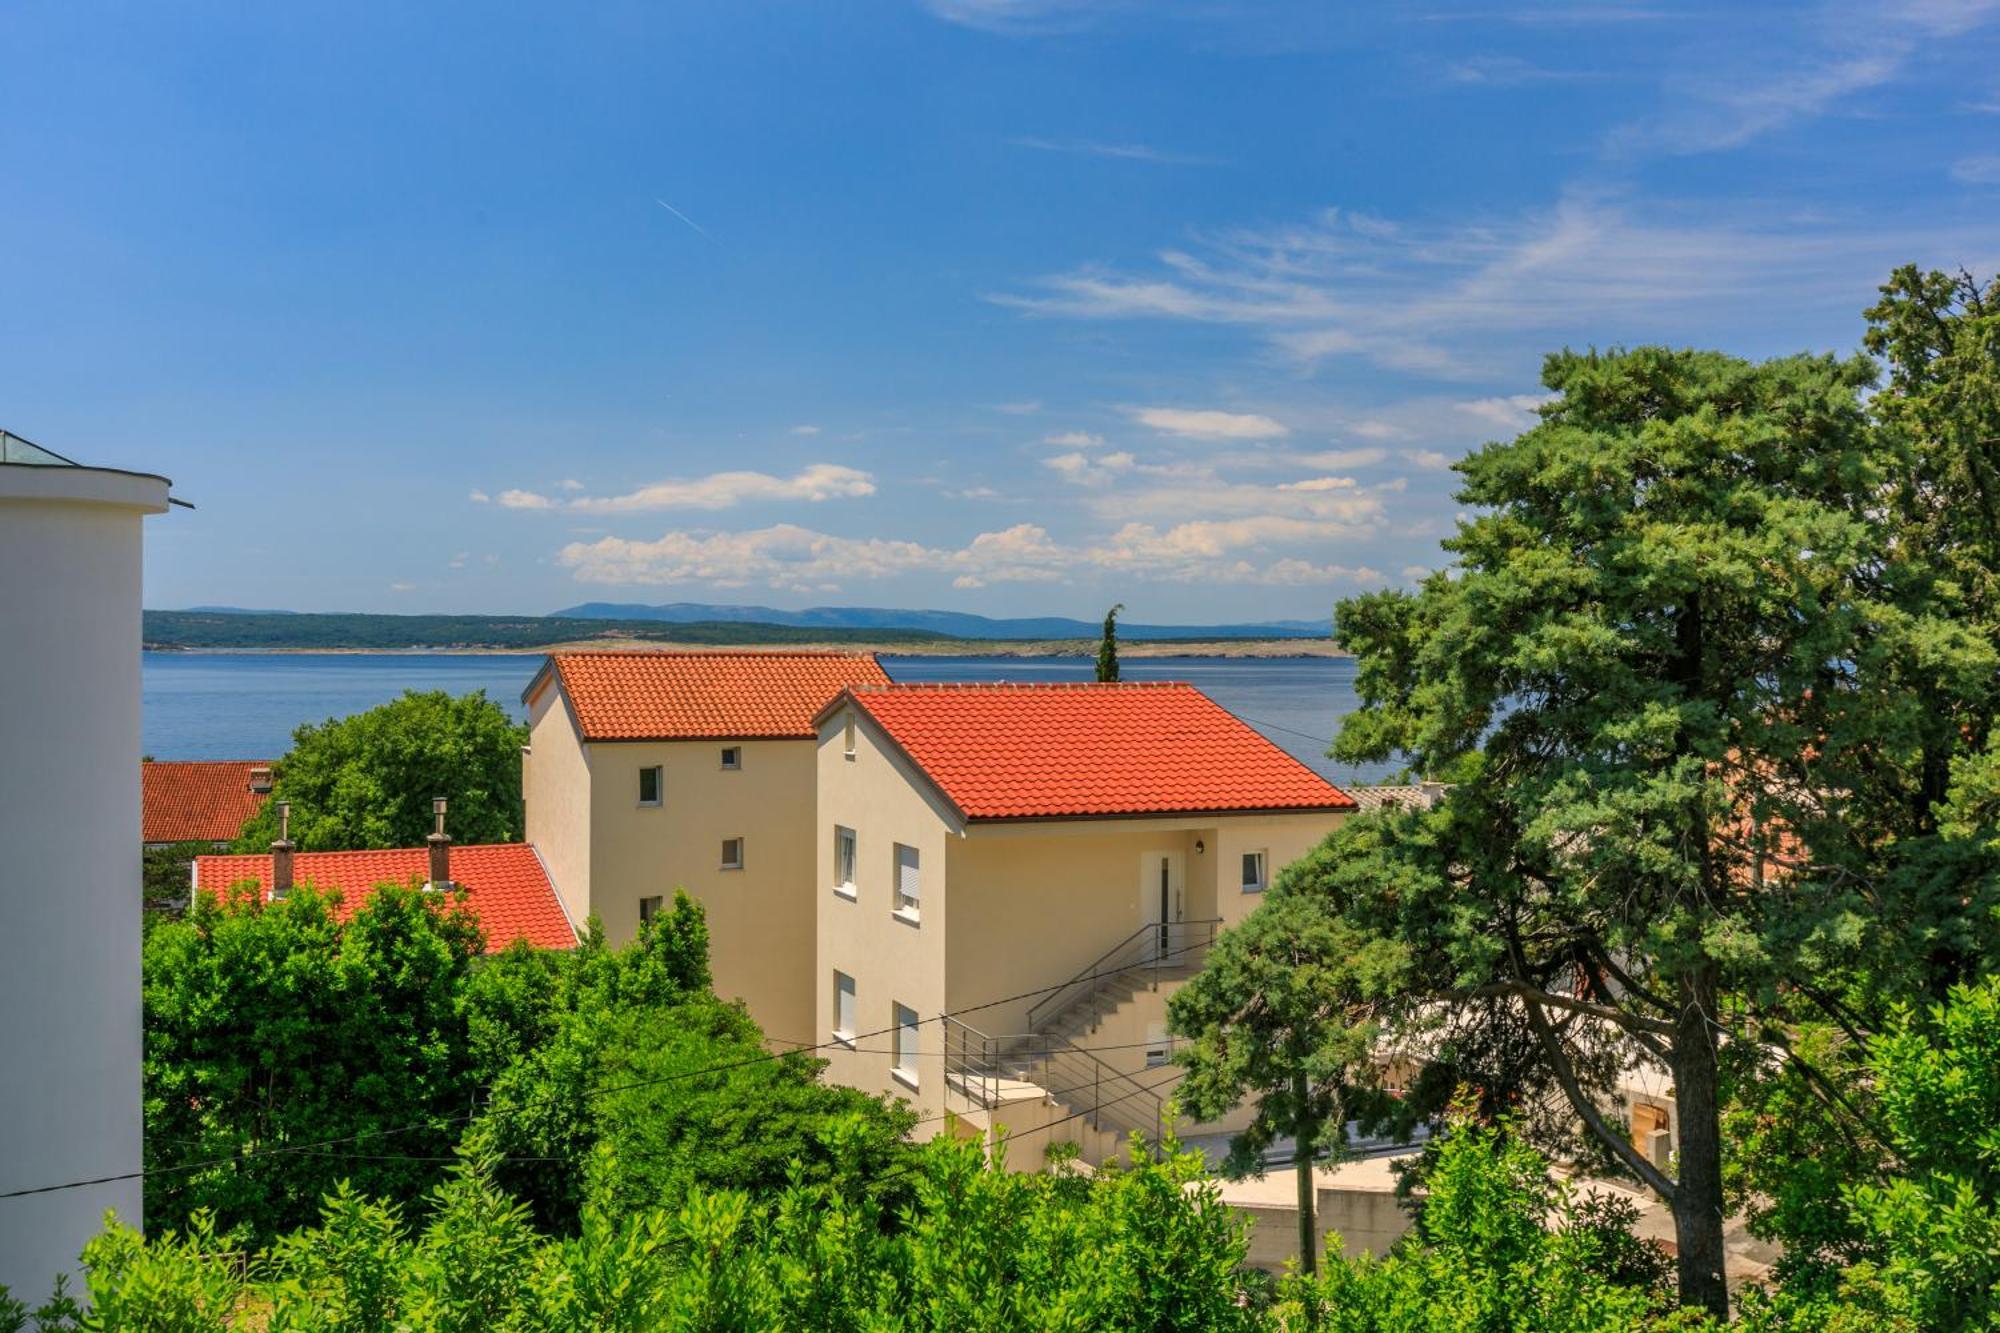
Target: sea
{"points": [[247, 705]]}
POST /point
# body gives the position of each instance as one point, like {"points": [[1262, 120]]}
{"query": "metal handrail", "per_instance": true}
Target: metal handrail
{"points": [[1130, 953], [977, 1063]]}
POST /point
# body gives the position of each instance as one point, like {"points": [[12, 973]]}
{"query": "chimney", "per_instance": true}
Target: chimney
{"points": [[260, 779], [1433, 793], [440, 845], [281, 854]]}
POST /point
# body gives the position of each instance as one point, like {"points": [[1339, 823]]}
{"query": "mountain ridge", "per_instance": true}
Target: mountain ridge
{"points": [[960, 624]]}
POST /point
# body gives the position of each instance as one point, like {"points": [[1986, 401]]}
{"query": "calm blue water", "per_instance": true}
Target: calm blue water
{"points": [[246, 705]]}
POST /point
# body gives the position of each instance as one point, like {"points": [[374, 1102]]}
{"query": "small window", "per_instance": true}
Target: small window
{"points": [[732, 756], [847, 735], [1159, 1046], [843, 860], [909, 887], [650, 908], [732, 853], [905, 1047], [649, 785], [1254, 880], [843, 1007]]}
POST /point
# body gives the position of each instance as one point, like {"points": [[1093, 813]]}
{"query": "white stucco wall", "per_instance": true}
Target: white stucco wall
{"points": [[69, 838]]}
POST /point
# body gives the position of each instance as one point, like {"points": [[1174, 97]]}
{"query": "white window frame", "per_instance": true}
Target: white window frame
{"points": [[903, 1044], [849, 742], [732, 758], [844, 997], [1263, 880], [911, 907], [843, 884], [737, 843], [659, 772]]}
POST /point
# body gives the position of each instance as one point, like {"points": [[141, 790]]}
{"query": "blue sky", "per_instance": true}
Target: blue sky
{"points": [[1012, 306]]}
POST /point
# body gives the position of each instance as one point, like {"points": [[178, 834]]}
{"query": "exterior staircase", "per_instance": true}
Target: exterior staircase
{"points": [[1105, 1105]]}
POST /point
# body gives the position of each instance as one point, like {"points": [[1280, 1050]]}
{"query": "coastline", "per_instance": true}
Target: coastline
{"points": [[1132, 649]]}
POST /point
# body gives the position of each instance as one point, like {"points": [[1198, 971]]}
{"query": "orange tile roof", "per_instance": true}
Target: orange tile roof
{"points": [[506, 885], [1054, 751], [647, 696], [197, 801]]}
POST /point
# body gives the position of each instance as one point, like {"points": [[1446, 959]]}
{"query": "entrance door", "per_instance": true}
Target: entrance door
{"points": [[1160, 895]]}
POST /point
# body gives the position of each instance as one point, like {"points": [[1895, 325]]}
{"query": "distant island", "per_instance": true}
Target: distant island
{"points": [[227, 630], [958, 624]]}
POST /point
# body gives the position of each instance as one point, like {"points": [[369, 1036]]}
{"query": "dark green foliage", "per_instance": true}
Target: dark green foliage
{"points": [[207, 629], [1107, 646], [166, 873], [272, 1026], [366, 781]]}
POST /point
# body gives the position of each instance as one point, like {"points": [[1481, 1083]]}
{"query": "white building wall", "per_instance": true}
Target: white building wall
{"points": [[69, 858]]}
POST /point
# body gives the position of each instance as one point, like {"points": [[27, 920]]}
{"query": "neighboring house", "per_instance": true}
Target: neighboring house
{"points": [[506, 885], [200, 801], [1411, 796], [1047, 863], [647, 772]]}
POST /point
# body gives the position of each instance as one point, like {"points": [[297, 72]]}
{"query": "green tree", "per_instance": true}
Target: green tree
{"points": [[1628, 670], [167, 875], [1279, 1012], [1107, 646], [274, 1027], [366, 781]]}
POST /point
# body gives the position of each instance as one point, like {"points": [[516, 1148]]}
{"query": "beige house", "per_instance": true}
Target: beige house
{"points": [[1012, 879], [651, 771]]}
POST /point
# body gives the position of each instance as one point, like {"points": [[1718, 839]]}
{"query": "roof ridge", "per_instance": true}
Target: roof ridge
{"points": [[713, 652], [1023, 686], [456, 848]]}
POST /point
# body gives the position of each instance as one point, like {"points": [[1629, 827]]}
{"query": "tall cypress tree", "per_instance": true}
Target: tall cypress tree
{"points": [[1107, 647]]}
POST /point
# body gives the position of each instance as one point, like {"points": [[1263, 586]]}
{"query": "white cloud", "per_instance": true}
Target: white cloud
{"points": [[1250, 549], [1374, 430], [1197, 424], [725, 490], [1074, 439], [1515, 412], [1508, 71], [1431, 459], [458, 561], [1019, 18], [479, 497], [1979, 169], [1454, 300], [570, 484], [805, 430], [402, 585], [1089, 470], [1345, 458], [525, 500]]}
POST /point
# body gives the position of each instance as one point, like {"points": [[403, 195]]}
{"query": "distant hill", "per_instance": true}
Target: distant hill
{"points": [[236, 611], [958, 624], [306, 630]]}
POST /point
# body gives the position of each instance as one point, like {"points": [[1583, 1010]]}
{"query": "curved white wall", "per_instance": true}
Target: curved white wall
{"points": [[69, 857]]}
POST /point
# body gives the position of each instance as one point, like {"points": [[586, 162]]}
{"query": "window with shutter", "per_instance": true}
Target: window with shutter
{"points": [[909, 889]]}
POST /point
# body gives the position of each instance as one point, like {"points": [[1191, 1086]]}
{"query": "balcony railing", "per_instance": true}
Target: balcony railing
{"points": [[1145, 954]]}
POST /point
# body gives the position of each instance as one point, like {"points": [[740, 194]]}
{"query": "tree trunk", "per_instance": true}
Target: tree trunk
{"points": [[1697, 1201], [1304, 1131]]}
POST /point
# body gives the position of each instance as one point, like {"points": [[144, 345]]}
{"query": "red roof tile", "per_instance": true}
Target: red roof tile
{"points": [[645, 696], [506, 885], [1051, 751], [201, 801]]}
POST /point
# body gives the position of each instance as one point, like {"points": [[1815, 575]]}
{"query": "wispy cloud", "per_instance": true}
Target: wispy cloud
{"points": [[1451, 300], [1208, 424], [805, 430], [1979, 169], [1127, 152], [1822, 59], [1022, 18], [699, 229], [1508, 71], [1074, 439], [718, 490]]}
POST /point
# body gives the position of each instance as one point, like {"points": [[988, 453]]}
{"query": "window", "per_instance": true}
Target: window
{"points": [[843, 861], [1159, 1046], [909, 892], [732, 756], [732, 853], [649, 908], [847, 735], [649, 785], [905, 1046], [1253, 872], [843, 1007]]}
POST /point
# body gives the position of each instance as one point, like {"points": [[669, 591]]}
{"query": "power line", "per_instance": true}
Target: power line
{"points": [[285, 1150]]}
